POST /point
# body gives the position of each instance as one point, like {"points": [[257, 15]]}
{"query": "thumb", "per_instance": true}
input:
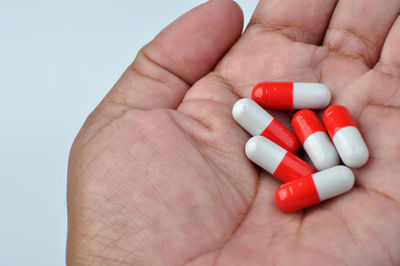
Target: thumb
{"points": [[180, 55]]}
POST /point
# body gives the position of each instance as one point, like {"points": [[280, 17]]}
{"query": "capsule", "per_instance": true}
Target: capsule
{"points": [[345, 136], [314, 139], [257, 121], [310, 190], [277, 161], [291, 95]]}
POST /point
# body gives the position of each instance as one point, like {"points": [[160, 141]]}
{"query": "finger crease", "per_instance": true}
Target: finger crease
{"points": [[227, 83], [368, 44], [382, 194], [292, 32], [148, 58], [388, 70]]}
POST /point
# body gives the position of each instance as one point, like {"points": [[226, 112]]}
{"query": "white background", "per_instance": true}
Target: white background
{"points": [[57, 61]]}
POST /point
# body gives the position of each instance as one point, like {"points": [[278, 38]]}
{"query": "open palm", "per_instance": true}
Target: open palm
{"points": [[158, 174]]}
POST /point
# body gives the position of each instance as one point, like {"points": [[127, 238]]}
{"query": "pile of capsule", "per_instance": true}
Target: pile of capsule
{"points": [[273, 146]]}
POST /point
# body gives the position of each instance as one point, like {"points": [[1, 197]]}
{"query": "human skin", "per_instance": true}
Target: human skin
{"points": [[158, 175]]}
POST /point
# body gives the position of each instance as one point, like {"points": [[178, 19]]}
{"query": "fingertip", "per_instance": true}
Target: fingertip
{"points": [[232, 11], [193, 44]]}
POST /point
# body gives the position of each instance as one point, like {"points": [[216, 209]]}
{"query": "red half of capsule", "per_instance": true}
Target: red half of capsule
{"points": [[305, 123], [292, 168], [274, 95], [337, 117], [282, 136], [296, 195]]}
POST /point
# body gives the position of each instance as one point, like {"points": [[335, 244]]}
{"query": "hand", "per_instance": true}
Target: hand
{"points": [[158, 175]]}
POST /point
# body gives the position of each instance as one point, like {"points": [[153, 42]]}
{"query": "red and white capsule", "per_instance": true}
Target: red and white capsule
{"points": [[291, 95], [277, 161], [314, 139], [257, 121], [313, 189], [345, 136]]}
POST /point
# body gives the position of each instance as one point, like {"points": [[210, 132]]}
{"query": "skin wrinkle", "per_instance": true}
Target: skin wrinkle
{"points": [[236, 229], [204, 159], [292, 32], [213, 166], [206, 102], [104, 258], [92, 218], [213, 148], [200, 255], [112, 242], [277, 232], [386, 249], [107, 199], [134, 69], [392, 96], [380, 70], [368, 44], [230, 236], [234, 186], [88, 139], [316, 65], [151, 60], [121, 97], [368, 104], [343, 221], [137, 71], [372, 104], [93, 211], [319, 66], [202, 123], [204, 144], [152, 186], [219, 169], [229, 84], [113, 245], [370, 191], [104, 114], [325, 253], [338, 52], [193, 118], [94, 156], [281, 28], [300, 243]]}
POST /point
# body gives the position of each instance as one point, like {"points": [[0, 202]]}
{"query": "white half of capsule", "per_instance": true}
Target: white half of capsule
{"points": [[333, 181], [321, 150], [310, 95], [251, 116], [264, 153], [351, 147]]}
